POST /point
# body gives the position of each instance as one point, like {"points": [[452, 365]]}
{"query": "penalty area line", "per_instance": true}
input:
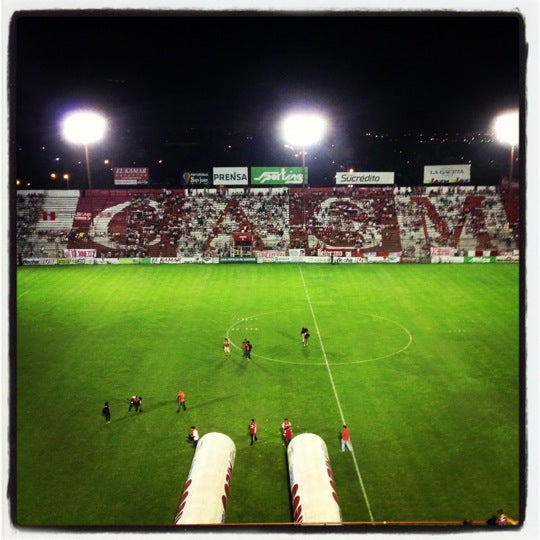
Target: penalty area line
{"points": [[331, 377]]}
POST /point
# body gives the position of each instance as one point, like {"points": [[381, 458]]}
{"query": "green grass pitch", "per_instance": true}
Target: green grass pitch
{"points": [[421, 361]]}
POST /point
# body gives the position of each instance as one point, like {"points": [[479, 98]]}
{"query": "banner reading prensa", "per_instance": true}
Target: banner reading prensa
{"points": [[130, 175], [278, 176], [230, 176], [365, 178], [447, 174]]}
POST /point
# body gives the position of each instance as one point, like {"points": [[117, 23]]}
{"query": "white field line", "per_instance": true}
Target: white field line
{"points": [[329, 370]]}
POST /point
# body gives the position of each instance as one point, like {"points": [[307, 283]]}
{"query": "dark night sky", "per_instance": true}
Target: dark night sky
{"points": [[173, 80]]}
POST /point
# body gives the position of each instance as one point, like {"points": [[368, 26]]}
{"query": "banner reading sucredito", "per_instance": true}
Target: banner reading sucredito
{"points": [[365, 178]]}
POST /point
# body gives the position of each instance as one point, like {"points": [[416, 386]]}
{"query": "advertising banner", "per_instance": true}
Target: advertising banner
{"points": [[106, 260], [447, 174], [481, 260], [78, 253], [269, 254], [443, 251], [38, 261], [447, 259], [196, 179], [230, 176], [297, 252], [277, 176], [166, 260], [365, 178], [242, 237], [130, 176], [349, 260], [238, 260], [507, 258]]}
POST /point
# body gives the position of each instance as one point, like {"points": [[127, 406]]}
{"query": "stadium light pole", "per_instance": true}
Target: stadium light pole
{"points": [[84, 127], [303, 129], [507, 131]]}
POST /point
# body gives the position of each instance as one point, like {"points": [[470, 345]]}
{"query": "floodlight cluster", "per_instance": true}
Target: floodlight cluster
{"points": [[84, 127]]}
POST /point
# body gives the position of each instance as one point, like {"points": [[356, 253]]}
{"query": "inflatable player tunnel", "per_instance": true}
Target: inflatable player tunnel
{"points": [[313, 491], [204, 499]]}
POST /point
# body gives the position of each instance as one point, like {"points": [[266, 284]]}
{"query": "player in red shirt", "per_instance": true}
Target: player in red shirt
{"points": [[253, 430], [247, 346], [287, 435], [181, 401], [345, 439], [285, 424]]}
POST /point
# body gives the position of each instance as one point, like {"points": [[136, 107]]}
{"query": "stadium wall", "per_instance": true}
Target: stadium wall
{"points": [[391, 259]]}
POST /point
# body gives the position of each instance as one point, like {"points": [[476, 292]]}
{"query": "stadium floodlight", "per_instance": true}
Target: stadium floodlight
{"points": [[303, 129], [506, 128], [84, 127]]}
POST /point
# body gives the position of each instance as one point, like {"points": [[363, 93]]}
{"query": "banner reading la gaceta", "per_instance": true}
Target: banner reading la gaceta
{"points": [[447, 174], [365, 178]]}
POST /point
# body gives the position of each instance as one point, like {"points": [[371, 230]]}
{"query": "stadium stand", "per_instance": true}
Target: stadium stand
{"points": [[240, 221]]}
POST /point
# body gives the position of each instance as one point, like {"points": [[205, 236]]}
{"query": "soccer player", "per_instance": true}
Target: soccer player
{"points": [[181, 401], [106, 411], [135, 401], [194, 436], [305, 335], [286, 431], [226, 346], [253, 431], [287, 435], [285, 424], [247, 346], [345, 439]]}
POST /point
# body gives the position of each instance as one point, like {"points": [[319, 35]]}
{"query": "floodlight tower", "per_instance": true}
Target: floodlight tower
{"points": [[84, 127], [303, 129], [507, 131]]}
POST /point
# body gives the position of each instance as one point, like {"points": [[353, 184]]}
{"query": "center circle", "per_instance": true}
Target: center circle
{"points": [[275, 338]]}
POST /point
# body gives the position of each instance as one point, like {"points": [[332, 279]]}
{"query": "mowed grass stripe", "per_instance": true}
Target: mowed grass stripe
{"points": [[427, 423], [338, 403]]}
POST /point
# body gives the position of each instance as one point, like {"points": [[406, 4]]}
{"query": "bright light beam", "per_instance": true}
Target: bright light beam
{"points": [[507, 128], [84, 127], [303, 129]]}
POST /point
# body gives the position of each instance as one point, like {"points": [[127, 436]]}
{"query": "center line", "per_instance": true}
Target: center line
{"points": [[335, 394]]}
